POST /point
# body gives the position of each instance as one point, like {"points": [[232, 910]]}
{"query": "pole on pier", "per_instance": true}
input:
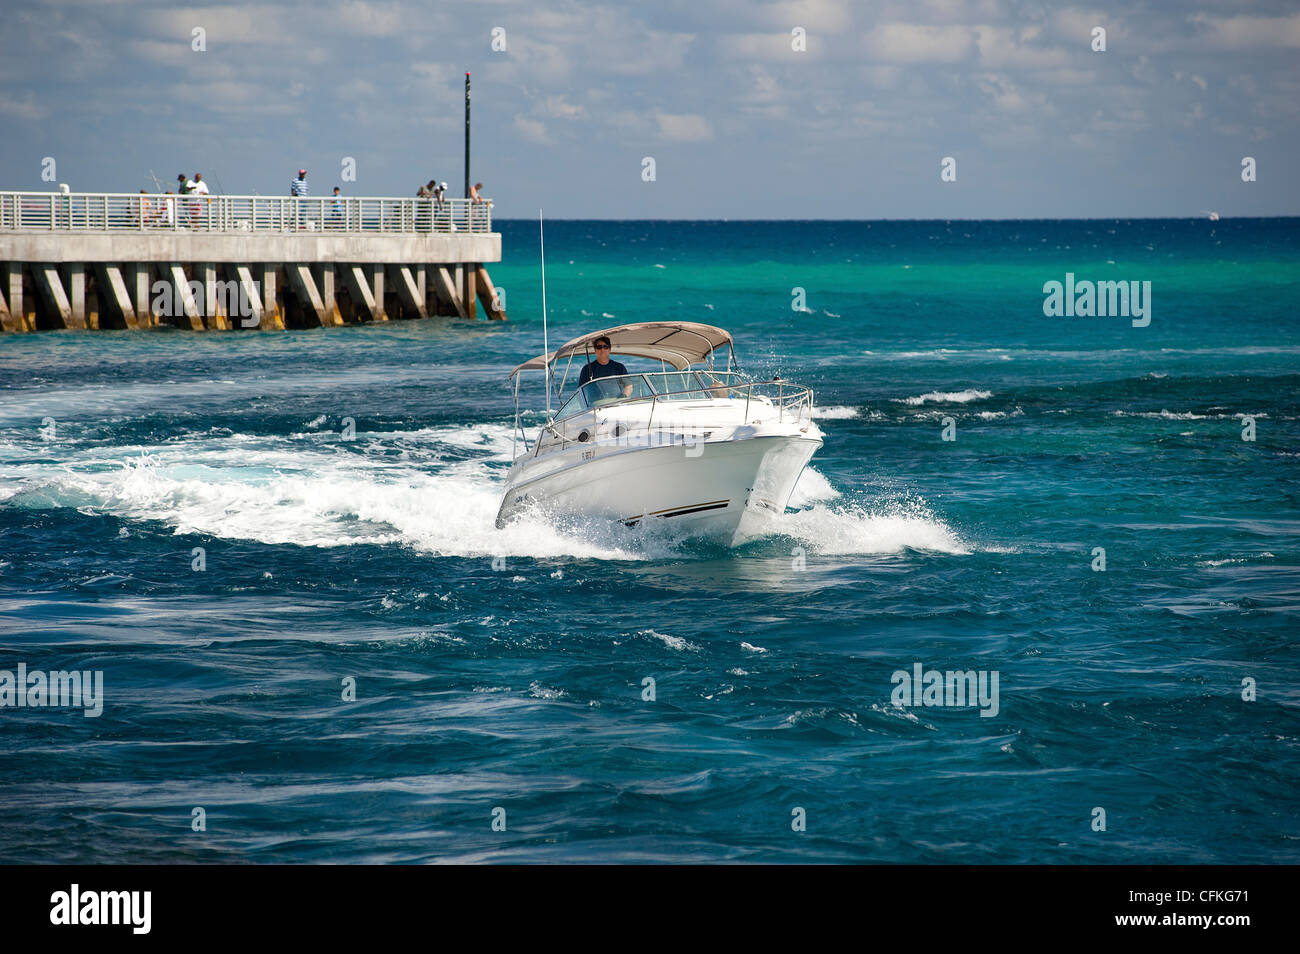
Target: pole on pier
{"points": [[467, 134]]}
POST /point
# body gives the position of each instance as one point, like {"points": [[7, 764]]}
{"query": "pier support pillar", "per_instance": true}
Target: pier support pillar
{"points": [[468, 293], [113, 292], [140, 280], [183, 296], [50, 286], [215, 309], [249, 294], [12, 317], [304, 286], [370, 303], [76, 273], [379, 288], [487, 294], [446, 286], [408, 292], [272, 319], [324, 275]]}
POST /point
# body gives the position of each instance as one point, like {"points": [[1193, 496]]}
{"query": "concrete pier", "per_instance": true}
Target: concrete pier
{"points": [[233, 262]]}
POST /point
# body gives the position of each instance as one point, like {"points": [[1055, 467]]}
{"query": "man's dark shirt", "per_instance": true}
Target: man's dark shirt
{"points": [[594, 369]]}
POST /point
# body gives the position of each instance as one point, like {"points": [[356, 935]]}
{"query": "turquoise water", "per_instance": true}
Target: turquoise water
{"points": [[521, 687]]}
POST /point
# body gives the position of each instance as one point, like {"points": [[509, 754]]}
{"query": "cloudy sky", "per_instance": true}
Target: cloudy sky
{"points": [[740, 124]]}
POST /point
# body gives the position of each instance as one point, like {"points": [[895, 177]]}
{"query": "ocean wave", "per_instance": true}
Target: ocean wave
{"points": [[892, 527], [946, 397], [836, 412], [812, 487], [1168, 415], [672, 642]]}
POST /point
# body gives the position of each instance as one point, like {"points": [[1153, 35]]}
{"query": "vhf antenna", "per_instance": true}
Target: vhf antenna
{"points": [[546, 348]]}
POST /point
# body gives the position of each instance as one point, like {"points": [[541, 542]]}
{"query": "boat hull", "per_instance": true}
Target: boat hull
{"points": [[713, 489]]}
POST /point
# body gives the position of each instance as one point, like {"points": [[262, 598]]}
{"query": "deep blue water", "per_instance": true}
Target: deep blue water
{"points": [[521, 688]]}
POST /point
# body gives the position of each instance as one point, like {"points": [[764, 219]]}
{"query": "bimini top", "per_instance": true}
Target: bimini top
{"points": [[679, 343]]}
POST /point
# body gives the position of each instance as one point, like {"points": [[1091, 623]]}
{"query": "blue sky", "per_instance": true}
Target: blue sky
{"points": [[739, 123]]}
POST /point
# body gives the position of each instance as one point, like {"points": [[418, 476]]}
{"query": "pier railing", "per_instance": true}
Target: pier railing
{"points": [[234, 214]]}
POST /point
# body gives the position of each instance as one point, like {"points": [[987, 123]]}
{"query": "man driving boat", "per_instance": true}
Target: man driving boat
{"points": [[603, 367]]}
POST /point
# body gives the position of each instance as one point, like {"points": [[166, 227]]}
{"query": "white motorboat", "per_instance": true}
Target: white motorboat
{"points": [[706, 449]]}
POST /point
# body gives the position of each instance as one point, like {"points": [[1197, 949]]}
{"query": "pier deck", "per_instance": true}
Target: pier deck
{"points": [[222, 262]]}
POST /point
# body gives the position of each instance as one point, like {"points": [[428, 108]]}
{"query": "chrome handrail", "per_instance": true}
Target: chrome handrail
{"points": [[109, 212]]}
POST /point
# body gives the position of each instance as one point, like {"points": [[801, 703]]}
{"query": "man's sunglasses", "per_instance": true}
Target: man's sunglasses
{"points": [[602, 347]]}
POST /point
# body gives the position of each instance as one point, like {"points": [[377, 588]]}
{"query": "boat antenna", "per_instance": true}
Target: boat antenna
{"points": [[546, 348]]}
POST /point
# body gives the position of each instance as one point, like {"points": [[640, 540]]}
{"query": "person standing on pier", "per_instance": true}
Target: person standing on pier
{"points": [[424, 210], [189, 208], [199, 188], [336, 209], [298, 189], [167, 214]]}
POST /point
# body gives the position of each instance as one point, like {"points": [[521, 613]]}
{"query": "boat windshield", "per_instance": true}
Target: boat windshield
{"points": [[603, 391], [658, 385], [678, 386]]}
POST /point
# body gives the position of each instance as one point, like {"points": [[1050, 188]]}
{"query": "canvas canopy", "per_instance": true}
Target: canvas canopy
{"points": [[679, 343]]}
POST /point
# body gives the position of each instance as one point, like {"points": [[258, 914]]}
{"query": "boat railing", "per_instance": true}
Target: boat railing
{"points": [[790, 401]]}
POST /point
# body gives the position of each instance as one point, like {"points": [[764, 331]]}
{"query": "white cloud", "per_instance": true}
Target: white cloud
{"points": [[1245, 32], [917, 43], [689, 127], [228, 27], [531, 129], [764, 46], [375, 19], [1007, 96], [23, 108], [1005, 48], [558, 107], [813, 15]]}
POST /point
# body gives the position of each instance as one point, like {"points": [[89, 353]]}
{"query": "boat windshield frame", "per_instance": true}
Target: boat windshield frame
{"points": [[649, 386]]}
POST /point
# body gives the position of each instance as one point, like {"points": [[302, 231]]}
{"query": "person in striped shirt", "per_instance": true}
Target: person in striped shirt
{"points": [[298, 187]]}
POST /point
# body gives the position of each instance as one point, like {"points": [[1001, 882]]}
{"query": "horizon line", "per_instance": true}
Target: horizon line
{"points": [[1091, 218]]}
